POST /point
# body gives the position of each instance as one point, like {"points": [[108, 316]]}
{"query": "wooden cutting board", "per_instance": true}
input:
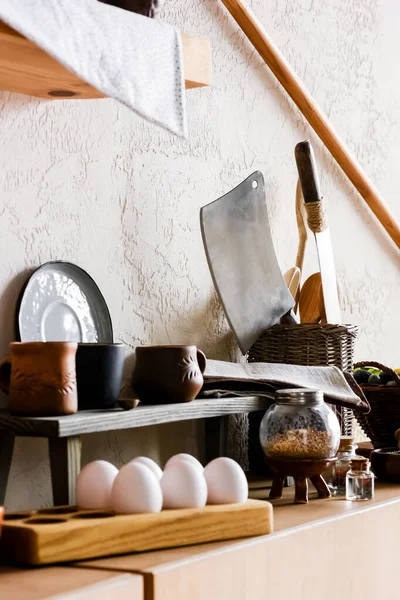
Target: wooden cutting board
{"points": [[66, 533]]}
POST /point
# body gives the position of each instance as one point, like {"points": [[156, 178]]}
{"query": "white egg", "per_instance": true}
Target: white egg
{"points": [[136, 490], [226, 482], [183, 486], [94, 483], [179, 458], [147, 462]]}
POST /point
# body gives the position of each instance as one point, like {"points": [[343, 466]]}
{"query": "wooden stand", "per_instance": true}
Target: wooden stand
{"points": [[300, 470], [64, 433]]}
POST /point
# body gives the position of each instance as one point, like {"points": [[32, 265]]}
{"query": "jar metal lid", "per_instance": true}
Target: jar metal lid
{"points": [[298, 396]]}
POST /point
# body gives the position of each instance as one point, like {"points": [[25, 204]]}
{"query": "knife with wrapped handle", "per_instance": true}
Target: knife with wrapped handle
{"points": [[318, 224]]}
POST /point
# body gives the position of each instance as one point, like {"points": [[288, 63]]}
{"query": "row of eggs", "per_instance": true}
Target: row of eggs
{"points": [[141, 486]]}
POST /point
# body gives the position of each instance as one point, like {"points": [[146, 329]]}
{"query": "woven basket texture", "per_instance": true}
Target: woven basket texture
{"points": [[383, 420], [310, 344]]}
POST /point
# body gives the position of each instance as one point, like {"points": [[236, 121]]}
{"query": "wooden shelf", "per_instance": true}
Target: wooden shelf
{"points": [[94, 421], [64, 433], [27, 69]]}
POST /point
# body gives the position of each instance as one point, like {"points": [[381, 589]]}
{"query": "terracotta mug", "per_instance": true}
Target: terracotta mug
{"points": [[40, 378], [168, 374]]}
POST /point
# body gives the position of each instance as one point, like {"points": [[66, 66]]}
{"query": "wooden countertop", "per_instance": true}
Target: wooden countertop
{"points": [[68, 583], [314, 554], [287, 517]]}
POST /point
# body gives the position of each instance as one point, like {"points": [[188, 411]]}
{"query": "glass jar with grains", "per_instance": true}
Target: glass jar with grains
{"points": [[300, 426]]}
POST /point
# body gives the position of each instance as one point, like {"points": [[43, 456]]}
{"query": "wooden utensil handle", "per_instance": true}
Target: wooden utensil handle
{"points": [[272, 56], [308, 174]]}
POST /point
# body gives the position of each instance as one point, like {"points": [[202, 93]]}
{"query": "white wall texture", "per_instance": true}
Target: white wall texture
{"points": [[89, 182]]}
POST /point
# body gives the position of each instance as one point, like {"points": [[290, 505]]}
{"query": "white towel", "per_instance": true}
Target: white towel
{"points": [[131, 58]]}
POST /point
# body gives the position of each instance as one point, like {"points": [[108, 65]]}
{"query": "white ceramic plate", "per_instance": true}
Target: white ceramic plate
{"points": [[61, 303]]}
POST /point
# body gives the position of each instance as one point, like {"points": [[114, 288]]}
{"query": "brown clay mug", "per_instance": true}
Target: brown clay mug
{"points": [[40, 378], [168, 374]]}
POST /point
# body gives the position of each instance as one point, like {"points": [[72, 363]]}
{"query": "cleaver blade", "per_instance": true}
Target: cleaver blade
{"points": [[242, 261]]}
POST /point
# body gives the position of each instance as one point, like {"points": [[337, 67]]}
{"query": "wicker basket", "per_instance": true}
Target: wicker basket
{"points": [[383, 420], [309, 344]]}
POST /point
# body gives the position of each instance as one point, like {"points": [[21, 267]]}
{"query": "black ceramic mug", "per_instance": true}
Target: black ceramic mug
{"points": [[99, 369]]}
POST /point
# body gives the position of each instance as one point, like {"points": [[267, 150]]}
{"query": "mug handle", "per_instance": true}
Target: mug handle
{"points": [[201, 359], [5, 374]]}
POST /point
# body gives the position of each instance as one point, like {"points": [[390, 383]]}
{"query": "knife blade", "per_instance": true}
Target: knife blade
{"points": [[317, 221]]}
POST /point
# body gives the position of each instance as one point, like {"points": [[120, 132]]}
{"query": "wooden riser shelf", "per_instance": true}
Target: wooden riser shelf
{"points": [[27, 69]]}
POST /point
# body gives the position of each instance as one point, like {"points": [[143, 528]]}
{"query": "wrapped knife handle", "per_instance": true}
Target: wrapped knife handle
{"points": [[308, 175]]}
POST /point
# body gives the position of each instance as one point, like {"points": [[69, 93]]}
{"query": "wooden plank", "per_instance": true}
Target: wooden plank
{"points": [[303, 559], [72, 583], [101, 420], [61, 535], [216, 437], [6, 454], [65, 466], [197, 61], [27, 69]]}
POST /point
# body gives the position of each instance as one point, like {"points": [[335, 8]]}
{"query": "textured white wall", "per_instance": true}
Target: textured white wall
{"points": [[88, 182]]}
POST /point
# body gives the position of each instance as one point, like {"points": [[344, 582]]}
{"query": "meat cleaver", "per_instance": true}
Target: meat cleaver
{"points": [[242, 261]]}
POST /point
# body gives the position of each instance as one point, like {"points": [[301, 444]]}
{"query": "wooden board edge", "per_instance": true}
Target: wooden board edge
{"points": [[36, 545], [197, 73], [196, 58]]}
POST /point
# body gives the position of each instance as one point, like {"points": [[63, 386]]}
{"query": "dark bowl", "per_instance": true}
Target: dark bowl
{"points": [[386, 465]]}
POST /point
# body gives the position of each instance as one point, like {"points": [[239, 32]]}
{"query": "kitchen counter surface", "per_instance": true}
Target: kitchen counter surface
{"points": [[314, 553]]}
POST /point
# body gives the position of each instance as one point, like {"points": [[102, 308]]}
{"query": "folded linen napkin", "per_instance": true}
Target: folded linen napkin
{"points": [[264, 378], [131, 58]]}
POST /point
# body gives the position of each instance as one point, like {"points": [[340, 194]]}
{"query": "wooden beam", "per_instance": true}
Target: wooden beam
{"points": [[27, 69], [94, 421]]}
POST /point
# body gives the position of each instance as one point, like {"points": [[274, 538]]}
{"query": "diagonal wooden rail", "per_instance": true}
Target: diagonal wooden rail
{"points": [[272, 56]]}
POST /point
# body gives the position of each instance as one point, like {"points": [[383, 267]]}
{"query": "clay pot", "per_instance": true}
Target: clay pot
{"points": [[40, 378], [168, 374], [385, 464]]}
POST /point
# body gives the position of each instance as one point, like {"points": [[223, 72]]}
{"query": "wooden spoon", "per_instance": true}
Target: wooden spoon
{"points": [[303, 235], [310, 299], [292, 280]]}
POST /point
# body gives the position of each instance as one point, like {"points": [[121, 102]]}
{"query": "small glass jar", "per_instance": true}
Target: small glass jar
{"points": [[359, 480], [336, 476], [300, 425]]}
